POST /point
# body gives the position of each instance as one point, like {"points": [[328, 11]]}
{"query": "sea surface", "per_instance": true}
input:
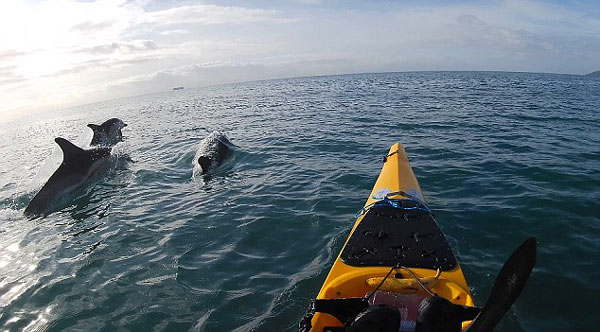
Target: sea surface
{"points": [[499, 156]]}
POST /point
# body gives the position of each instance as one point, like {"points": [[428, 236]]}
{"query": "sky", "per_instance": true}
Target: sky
{"points": [[60, 53]]}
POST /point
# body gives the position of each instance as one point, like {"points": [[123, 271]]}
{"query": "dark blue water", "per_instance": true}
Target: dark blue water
{"points": [[500, 157]]}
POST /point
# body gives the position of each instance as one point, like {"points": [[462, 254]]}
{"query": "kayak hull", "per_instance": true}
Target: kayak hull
{"points": [[368, 252]]}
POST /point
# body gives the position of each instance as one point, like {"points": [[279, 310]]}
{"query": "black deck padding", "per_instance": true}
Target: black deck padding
{"points": [[387, 235]]}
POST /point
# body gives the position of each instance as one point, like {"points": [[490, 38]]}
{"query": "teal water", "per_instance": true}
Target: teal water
{"points": [[499, 156]]}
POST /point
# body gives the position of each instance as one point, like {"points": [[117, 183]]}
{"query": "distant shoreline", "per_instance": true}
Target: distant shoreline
{"points": [[594, 74]]}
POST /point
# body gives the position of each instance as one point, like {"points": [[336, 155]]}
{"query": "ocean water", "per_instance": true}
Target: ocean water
{"points": [[499, 156]]}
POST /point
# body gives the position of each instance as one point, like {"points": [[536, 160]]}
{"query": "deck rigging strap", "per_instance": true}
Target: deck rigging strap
{"points": [[395, 267], [419, 280], [382, 281], [397, 203]]}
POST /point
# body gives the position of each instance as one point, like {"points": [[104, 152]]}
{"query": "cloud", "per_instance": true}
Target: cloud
{"points": [[175, 32], [7, 55], [90, 26], [103, 65], [473, 31], [64, 31], [8, 75], [210, 14], [123, 47], [308, 2]]}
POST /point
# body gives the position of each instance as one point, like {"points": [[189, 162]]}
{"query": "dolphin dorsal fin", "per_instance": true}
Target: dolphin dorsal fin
{"points": [[70, 150]]}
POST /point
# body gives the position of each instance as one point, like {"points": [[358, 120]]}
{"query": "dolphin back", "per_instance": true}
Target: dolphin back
{"points": [[212, 151], [77, 166]]}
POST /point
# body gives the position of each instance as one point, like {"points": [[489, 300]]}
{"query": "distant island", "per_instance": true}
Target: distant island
{"points": [[594, 74], [178, 88]]}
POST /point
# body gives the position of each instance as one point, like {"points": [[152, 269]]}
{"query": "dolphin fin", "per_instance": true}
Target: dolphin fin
{"points": [[70, 150]]}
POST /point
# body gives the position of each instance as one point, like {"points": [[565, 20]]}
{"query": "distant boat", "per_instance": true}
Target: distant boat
{"points": [[178, 88]]}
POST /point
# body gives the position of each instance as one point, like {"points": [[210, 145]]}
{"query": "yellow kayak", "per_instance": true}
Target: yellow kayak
{"points": [[394, 258]]}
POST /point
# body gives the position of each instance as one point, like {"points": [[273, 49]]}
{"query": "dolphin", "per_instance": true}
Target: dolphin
{"points": [[108, 133], [78, 166], [212, 151]]}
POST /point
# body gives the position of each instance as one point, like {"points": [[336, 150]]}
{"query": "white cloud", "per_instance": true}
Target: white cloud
{"points": [[123, 47], [58, 30], [8, 76], [308, 2], [210, 14], [175, 32], [91, 26]]}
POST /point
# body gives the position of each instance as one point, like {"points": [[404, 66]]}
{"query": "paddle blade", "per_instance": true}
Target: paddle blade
{"points": [[508, 286]]}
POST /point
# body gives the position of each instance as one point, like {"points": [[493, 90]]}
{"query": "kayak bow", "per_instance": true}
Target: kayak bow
{"points": [[396, 271]]}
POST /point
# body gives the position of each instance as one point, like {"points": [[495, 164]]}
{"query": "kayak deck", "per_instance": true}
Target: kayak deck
{"points": [[395, 232], [387, 236]]}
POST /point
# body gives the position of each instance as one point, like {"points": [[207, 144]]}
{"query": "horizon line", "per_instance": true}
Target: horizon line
{"points": [[56, 110]]}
